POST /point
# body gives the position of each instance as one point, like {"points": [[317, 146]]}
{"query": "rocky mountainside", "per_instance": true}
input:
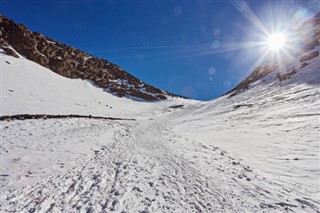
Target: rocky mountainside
{"points": [[308, 36], [73, 63]]}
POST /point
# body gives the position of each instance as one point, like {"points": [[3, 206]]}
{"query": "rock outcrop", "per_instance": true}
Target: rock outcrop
{"points": [[257, 74], [309, 38], [73, 63]]}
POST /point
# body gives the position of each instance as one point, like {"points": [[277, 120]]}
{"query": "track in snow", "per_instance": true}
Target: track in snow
{"points": [[144, 167]]}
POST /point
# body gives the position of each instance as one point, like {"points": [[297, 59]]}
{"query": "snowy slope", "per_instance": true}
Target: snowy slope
{"points": [[28, 88], [73, 63], [257, 151], [292, 72], [273, 126]]}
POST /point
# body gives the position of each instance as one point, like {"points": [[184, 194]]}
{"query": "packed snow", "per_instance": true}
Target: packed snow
{"points": [[257, 151]]}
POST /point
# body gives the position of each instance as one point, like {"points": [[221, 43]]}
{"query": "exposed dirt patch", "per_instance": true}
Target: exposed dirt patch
{"points": [[45, 116]]}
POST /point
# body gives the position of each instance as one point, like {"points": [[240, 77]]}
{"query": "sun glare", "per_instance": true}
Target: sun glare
{"points": [[276, 41]]}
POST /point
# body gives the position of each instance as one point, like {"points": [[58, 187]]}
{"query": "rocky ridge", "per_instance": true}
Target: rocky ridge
{"points": [[308, 35], [70, 62]]}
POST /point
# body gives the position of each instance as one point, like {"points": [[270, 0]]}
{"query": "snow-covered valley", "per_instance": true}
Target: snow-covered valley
{"points": [[257, 151]]}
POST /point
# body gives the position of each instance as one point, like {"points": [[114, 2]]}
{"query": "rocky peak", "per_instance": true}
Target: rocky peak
{"points": [[73, 63], [308, 35]]}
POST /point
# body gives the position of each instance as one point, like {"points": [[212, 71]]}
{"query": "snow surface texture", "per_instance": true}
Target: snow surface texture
{"points": [[257, 151]]}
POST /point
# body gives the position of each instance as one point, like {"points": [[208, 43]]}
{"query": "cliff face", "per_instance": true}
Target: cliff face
{"points": [[73, 63], [309, 39]]}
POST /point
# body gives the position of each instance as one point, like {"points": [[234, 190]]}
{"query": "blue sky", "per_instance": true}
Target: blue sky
{"points": [[185, 47]]}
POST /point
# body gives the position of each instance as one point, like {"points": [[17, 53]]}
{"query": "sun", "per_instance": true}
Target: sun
{"points": [[276, 41]]}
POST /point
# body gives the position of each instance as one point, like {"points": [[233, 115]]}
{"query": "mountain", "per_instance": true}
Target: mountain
{"points": [[252, 150], [306, 49], [29, 88], [73, 63]]}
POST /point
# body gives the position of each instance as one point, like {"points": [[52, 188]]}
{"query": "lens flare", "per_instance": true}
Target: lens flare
{"points": [[276, 41]]}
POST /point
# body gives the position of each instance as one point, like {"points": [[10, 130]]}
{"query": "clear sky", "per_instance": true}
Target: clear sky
{"points": [[198, 49]]}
